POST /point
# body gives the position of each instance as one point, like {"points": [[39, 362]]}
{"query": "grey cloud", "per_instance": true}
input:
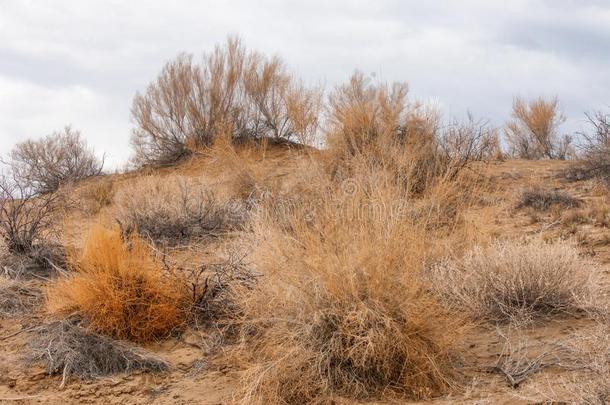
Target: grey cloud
{"points": [[71, 61]]}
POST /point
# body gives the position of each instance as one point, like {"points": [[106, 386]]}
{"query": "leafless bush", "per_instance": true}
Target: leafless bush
{"points": [[60, 158], [533, 131], [541, 199], [232, 93], [511, 281], [586, 352], [175, 209], [17, 297], [471, 141], [70, 350], [596, 149], [517, 362], [25, 217]]}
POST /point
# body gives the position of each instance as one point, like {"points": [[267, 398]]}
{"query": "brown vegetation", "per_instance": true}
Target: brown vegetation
{"points": [[541, 199], [71, 350], [232, 93], [58, 159], [119, 289], [174, 209], [25, 218], [533, 131], [511, 281]]}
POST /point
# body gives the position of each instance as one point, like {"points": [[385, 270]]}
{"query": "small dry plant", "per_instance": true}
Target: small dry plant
{"points": [[542, 199], [17, 297], [176, 209], [119, 289], [516, 281], [70, 350]]}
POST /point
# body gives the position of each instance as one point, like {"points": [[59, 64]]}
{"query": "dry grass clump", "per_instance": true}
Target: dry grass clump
{"points": [[17, 298], [174, 209], [518, 281], [119, 289], [339, 310], [70, 350], [597, 214], [541, 199], [53, 161], [93, 197]]}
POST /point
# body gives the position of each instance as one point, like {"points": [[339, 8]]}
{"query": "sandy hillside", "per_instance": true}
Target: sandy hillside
{"points": [[197, 378]]}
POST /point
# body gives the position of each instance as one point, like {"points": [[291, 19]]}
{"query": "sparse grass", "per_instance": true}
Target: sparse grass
{"points": [[70, 350], [175, 209], [510, 281], [541, 199], [119, 289], [97, 195], [339, 310]]}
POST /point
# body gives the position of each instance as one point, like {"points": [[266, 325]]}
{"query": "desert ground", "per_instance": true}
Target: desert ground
{"points": [[560, 358]]}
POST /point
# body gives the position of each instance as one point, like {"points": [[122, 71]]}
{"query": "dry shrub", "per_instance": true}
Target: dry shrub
{"points": [[119, 289], [597, 214], [17, 298], [70, 350], [533, 131], [511, 281], [596, 149], [374, 125], [26, 219], [542, 199], [58, 159], [43, 260], [174, 209], [339, 309], [232, 92], [586, 352]]}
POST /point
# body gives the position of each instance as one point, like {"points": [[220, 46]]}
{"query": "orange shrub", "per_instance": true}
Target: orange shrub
{"points": [[119, 289]]}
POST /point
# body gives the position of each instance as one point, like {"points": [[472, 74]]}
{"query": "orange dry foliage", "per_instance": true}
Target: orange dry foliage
{"points": [[119, 289]]}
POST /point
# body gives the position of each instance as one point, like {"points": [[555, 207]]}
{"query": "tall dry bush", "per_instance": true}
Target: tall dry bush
{"points": [[173, 209], [533, 132], [57, 159], [596, 147], [232, 92], [119, 289], [339, 309], [375, 125]]}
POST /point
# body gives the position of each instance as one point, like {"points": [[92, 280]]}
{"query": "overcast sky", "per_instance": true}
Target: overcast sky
{"points": [[80, 62]]}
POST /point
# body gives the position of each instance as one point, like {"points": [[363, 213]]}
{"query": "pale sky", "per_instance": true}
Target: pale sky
{"points": [[81, 62]]}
